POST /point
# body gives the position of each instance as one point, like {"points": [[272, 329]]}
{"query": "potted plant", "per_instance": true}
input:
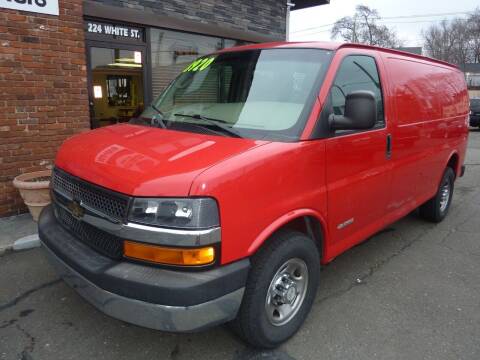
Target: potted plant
{"points": [[34, 188]]}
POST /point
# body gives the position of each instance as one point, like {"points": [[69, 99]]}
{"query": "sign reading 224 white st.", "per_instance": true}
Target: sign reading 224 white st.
{"points": [[39, 6], [114, 31]]}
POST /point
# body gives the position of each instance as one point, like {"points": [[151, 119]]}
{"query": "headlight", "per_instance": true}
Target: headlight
{"points": [[193, 213]]}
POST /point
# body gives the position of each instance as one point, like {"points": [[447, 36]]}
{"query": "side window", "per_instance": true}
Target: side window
{"points": [[358, 72]]}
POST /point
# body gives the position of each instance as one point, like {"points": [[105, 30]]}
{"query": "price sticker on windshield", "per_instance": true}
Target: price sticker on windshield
{"points": [[200, 64]]}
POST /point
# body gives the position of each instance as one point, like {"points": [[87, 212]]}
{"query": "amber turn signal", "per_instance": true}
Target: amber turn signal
{"points": [[169, 256]]}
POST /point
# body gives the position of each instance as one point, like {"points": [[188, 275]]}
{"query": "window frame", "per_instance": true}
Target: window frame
{"points": [[329, 106]]}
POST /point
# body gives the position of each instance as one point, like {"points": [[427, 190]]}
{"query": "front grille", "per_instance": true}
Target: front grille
{"points": [[107, 202], [103, 242]]}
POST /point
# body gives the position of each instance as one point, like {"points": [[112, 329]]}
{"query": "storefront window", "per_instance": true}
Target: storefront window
{"points": [[117, 80], [122, 76], [172, 51]]}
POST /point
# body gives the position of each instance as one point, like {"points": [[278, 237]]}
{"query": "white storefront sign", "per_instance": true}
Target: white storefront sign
{"points": [[39, 6]]}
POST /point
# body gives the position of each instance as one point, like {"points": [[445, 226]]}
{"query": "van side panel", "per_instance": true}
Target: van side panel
{"points": [[431, 106]]}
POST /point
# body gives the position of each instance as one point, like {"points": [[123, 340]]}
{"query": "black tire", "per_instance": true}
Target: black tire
{"points": [[252, 323], [433, 210]]}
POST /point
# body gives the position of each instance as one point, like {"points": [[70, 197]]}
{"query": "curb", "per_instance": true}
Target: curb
{"points": [[26, 242]]}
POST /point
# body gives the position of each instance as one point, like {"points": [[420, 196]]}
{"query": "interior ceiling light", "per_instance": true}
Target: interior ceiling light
{"points": [[130, 65], [128, 60]]}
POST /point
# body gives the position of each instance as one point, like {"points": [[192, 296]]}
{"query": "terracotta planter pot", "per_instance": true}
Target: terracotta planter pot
{"points": [[35, 190]]}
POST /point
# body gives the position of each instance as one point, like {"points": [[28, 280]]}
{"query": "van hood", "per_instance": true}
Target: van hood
{"points": [[145, 161]]}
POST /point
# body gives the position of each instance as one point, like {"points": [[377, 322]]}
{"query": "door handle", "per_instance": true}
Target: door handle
{"points": [[389, 147]]}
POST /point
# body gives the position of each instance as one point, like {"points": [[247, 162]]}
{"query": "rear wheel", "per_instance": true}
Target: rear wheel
{"points": [[437, 207], [280, 291]]}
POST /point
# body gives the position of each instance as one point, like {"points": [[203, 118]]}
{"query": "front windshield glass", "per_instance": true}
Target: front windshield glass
{"points": [[260, 94]]}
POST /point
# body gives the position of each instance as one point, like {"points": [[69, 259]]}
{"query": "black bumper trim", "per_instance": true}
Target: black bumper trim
{"points": [[474, 120], [138, 281]]}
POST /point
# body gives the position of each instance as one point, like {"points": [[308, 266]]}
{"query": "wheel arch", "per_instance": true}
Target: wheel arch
{"points": [[308, 221], [454, 163]]}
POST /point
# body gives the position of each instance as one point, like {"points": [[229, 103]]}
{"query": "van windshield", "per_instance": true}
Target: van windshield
{"points": [[260, 94]]}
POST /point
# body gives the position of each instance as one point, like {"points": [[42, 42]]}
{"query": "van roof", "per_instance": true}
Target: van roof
{"points": [[328, 45]]}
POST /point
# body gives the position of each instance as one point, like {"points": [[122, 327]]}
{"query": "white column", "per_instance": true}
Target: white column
{"points": [[289, 6]]}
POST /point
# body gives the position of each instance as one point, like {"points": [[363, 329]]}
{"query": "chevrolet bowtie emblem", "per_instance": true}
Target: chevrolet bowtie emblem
{"points": [[76, 209]]}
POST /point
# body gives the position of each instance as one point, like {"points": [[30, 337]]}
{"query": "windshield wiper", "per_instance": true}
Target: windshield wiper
{"points": [[218, 123], [156, 120]]}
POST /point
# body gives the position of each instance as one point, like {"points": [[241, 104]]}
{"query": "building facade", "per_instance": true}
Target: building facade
{"points": [[472, 76], [67, 66]]}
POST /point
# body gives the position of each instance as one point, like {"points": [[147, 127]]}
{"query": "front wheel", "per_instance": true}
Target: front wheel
{"points": [[280, 290], [436, 208]]}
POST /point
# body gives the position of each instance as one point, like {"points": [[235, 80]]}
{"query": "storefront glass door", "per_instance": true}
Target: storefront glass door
{"points": [[116, 80]]}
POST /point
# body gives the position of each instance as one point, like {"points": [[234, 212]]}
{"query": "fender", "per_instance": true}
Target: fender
{"points": [[284, 219]]}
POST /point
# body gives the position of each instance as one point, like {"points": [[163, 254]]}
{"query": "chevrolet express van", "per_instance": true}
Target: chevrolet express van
{"points": [[255, 166]]}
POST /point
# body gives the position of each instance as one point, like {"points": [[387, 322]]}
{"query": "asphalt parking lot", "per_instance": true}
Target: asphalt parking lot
{"points": [[410, 292]]}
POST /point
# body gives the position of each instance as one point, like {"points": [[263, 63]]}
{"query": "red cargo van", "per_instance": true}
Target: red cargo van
{"points": [[254, 167]]}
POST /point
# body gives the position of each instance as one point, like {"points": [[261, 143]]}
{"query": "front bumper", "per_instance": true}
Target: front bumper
{"points": [[152, 297]]}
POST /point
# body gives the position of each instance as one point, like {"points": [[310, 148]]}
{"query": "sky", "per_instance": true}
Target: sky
{"points": [[314, 24]]}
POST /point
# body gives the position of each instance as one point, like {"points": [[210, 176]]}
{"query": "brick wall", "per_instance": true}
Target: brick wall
{"points": [[262, 16], [43, 92]]}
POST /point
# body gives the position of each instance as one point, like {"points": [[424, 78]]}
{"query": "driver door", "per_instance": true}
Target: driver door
{"points": [[358, 163]]}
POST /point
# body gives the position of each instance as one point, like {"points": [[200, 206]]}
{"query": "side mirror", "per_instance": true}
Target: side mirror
{"points": [[360, 112]]}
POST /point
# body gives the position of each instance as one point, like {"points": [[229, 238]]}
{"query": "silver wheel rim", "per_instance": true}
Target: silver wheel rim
{"points": [[286, 292], [444, 196]]}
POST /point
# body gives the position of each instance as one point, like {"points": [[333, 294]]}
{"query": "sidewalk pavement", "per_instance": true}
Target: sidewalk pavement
{"points": [[19, 227]]}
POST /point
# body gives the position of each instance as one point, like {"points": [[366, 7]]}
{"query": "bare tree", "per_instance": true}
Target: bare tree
{"points": [[362, 28], [346, 28], [456, 41], [462, 46], [368, 17], [439, 41], [474, 33]]}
